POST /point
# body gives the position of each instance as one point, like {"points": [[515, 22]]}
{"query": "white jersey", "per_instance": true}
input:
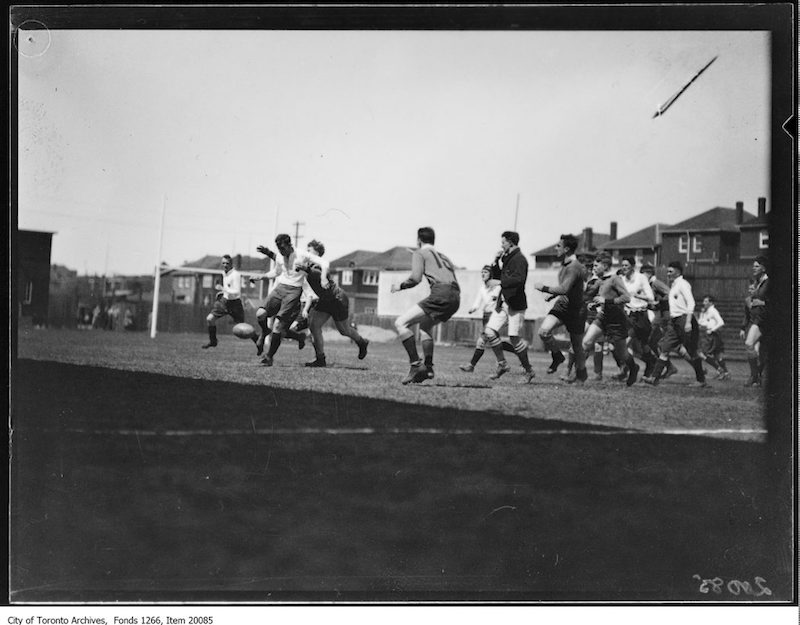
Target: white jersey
{"points": [[231, 285], [286, 272], [640, 291], [710, 320], [681, 299], [486, 300]]}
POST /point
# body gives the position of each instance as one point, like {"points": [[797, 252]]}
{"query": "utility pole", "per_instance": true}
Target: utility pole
{"points": [[157, 278], [297, 225]]}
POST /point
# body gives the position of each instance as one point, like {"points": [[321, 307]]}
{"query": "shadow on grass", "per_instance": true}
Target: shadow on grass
{"points": [[266, 494]]}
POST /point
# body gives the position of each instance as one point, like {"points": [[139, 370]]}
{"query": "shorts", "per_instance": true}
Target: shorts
{"points": [[613, 322], [573, 318], [283, 302], [232, 307], [711, 344], [337, 305], [758, 317], [507, 316], [675, 336], [640, 326], [442, 303]]}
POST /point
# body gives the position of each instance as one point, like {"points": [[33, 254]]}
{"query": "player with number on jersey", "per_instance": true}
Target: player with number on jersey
{"points": [[441, 304]]}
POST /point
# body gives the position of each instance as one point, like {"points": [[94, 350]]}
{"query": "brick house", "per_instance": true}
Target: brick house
{"points": [[588, 241], [358, 273], [644, 245], [710, 237], [754, 234], [193, 282]]}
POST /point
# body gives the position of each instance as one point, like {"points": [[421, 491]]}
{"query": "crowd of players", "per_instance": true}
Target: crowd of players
{"points": [[629, 312]]}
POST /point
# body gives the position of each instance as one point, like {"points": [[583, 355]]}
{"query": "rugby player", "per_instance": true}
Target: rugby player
{"points": [[682, 333], [638, 320], [228, 302], [283, 302], [758, 322], [589, 291], [485, 301], [326, 301], [610, 320], [567, 309], [441, 304], [712, 348], [660, 321]]}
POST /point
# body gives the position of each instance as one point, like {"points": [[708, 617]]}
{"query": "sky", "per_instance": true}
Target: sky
{"points": [[361, 137]]}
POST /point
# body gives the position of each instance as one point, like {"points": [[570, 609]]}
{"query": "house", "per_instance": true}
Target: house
{"points": [[358, 272], [710, 237], [588, 241], [32, 250], [644, 245], [754, 234], [193, 282]]}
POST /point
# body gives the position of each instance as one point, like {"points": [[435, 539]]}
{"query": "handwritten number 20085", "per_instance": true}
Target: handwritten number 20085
{"points": [[734, 586]]}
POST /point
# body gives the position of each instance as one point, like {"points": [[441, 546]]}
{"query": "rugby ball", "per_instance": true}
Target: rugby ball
{"points": [[243, 330]]}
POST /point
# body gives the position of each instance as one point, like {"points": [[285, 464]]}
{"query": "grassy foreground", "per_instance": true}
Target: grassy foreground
{"points": [[171, 474]]}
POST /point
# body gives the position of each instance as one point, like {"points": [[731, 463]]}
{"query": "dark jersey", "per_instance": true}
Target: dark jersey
{"points": [[512, 276], [571, 279]]}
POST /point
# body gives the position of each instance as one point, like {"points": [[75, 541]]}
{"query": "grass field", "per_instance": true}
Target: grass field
{"points": [[149, 470]]}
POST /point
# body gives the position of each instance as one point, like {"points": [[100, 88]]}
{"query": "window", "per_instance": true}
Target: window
{"points": [[208, 281], [370, 278], [347, 276], [369, 311], [763, 240], [697, 245], [683, 244], [28, 298]]}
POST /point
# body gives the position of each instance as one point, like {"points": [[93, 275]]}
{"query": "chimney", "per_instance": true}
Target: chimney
{"points": [[238, 261], [739, 212], [613, 234], [762, 206], [588, 235]]}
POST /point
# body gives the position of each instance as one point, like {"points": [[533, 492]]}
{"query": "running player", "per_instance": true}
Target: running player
{"points": [[566, 310], [326, 301], [441, 304], [283, 302], [660, 320], [712, 348], [485, 301], [638, 319], [682, 333], [611, 321], [588, 315], [228, 302]]}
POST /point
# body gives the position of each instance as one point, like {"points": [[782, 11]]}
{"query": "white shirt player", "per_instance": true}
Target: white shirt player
{"points": [[286, 272], [710, 319], [486, 300], [232, 285], [681, 299], [640, 291]]}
